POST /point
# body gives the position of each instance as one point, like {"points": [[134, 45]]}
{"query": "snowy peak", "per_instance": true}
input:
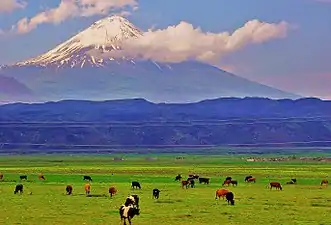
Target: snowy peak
{"points": [[85, 48]]}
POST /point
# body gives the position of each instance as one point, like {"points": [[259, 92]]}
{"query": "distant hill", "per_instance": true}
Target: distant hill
{"points": [[136, 122]]}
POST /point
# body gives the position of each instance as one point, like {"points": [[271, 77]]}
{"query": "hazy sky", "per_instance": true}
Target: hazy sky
{"points": [[297, 60]]}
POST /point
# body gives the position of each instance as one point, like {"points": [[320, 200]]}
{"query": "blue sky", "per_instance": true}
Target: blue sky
{"points": [[300, 62]]}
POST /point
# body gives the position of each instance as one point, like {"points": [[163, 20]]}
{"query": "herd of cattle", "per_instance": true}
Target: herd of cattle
{"points": [[131, 206]]}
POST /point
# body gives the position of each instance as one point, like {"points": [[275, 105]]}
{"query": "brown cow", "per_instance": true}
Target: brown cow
{"points": [[185, 183], [112, 191], [228, 182], [41, 177], [221, 193], [87, 188], [252, 179], [324, 182], [276, 185], [1, 176]]}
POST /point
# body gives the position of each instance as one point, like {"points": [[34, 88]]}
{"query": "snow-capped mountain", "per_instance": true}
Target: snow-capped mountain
{"points": [[77, 69], [82, 50]]}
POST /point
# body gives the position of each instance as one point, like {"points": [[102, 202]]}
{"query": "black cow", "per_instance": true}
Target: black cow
{"points": [[135, 184], [229, 198], [192, 182], [178, 177], [69, 189], [128, 212], [23, 177], [88, 178], [204, 180], [246, 178], [156, 193], [19, 188]]}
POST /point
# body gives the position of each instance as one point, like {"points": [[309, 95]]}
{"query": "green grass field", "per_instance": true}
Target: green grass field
{"points": [[304, 203]]}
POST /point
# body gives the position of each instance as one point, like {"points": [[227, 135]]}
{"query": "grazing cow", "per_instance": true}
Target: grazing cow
{"points": [[1, 176], [276, 185], [156, 193], [185, 183], [88, 178], [87, 188], [19, 188], [69, 189], [127, 213], [41, 177], [178, 177], [204, 180], [112, 191], [229, 198], [23, 177], [221, 193], [228, 182], [135, 184], [252, 179], [324, 182], [246, 178]]}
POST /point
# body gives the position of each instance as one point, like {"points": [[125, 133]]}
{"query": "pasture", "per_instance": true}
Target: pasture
{"points": [[304, 203]]}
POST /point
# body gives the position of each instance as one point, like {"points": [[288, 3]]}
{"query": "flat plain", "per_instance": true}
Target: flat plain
{"points": [[45, 202]]}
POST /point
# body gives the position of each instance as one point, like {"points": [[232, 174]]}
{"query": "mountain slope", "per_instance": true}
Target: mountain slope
{"points": [[77, 69], [12, 90]]}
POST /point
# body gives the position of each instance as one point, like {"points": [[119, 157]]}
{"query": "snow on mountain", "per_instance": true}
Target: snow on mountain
{"points": [[77, 69], [82, 50]]}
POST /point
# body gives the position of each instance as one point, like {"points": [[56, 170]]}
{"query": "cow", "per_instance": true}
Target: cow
{"points": [[132, 200], [112, 191], [276, 185], [127, 213], [246, 178], [178, 177], [135, 184], [230, 198], [192, 183], [252, 179], [23, 177], [185, 183], [41, 177], [1, 176], [69, 189], [228, 182], [324, 182], [19, 188], [204, 180], [88, 178], [87, 188], [194, 176], [156, 193], [221, 193]]}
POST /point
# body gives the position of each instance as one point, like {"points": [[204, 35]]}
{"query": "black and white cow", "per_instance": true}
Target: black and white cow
{"points": [[156, 193], [18, 188], [132, 200], [128, 212]]}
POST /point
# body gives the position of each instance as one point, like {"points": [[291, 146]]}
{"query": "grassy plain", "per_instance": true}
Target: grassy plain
{"points": [[304, 203]]}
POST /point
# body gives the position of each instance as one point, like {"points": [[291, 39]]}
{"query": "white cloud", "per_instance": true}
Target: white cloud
{"points": [[185, 42], [11, 5], [71, 8]]}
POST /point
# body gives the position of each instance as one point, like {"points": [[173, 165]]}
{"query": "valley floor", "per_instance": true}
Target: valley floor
{"points": [[304, 203]]}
